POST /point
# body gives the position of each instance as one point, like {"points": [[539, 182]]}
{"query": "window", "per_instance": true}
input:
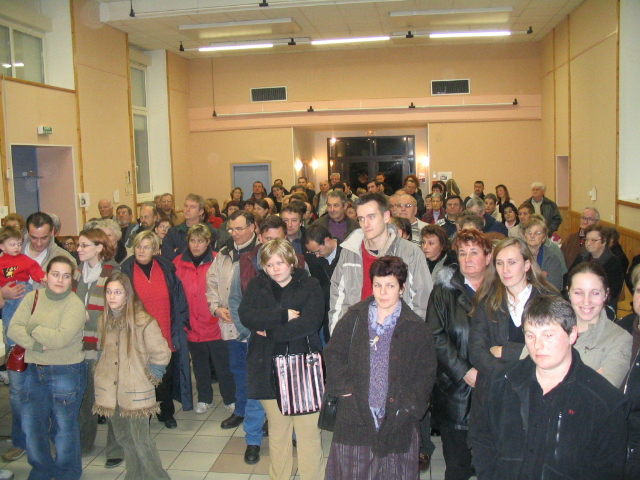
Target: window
{"points": [[21, 55], [140, 130]]}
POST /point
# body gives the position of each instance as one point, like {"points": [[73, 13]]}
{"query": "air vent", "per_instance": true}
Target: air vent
{"points": [[449, 87], [269, 94]]}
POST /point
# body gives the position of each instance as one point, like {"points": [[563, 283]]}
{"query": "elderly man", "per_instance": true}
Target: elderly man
{"points": [[148, 219], [124, 215], [320, 200], [336, 221], [167, 211], [175, 242], [453, 210], [408, 208], [476, 205], [105, 207], [545, 207], [549, 415], [334, 178], [350, 282], [574, 244]]}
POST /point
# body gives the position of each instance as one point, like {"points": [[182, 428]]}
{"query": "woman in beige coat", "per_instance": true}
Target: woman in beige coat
{"points": [[133, 361]]}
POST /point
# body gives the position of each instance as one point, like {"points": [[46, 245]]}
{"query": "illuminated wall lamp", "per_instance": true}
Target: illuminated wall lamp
{"points": [[425, 161], [314, 164], [297, 165]]}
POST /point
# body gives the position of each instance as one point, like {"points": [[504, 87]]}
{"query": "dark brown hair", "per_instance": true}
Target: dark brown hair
{"points": [[389, 265]]}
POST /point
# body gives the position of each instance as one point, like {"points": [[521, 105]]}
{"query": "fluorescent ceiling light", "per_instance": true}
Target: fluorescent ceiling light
{"points": [[235, 47], [497, 33], [349, 40], [6, 65], [453, 11], [240, 23], [18, 64]]}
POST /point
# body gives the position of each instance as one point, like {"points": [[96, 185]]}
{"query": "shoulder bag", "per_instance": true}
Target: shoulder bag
{"points": [[16, 361]]}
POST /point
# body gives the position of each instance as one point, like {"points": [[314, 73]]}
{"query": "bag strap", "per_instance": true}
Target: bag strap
{"points": [[35, 302], [352, 333]]}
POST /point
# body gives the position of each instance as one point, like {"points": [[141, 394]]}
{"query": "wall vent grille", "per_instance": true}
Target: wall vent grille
{"points": [[450, 87], [269, 94]]}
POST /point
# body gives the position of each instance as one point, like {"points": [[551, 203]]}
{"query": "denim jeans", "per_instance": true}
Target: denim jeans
{"points": [[250, 409], [16, 380], [51, 395], [9, 309]]}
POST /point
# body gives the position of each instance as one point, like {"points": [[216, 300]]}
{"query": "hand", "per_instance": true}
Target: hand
{"points": [[496, 351], [262, 333], [293, 314], [600, 370], [470, 377], [12, 291], [224, 314]]}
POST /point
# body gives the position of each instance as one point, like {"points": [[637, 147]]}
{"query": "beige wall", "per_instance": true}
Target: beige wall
{"points": [[215, 152], [102, 69], [579, 78]]}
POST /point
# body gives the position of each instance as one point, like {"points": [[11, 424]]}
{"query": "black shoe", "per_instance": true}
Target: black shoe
{"points": [[252, 454], [265, 428], [102, 419], [113, 462], [232, 422], [171, 423]]}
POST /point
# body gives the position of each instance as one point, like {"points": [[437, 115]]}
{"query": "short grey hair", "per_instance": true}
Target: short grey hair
{"points": [[474, 202], [110, 224], [594, 209], [338, 194], [539, 184], [57, 224]]}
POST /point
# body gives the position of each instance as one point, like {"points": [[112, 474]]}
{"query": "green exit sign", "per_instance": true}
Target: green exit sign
{"points": [[45, 130]]}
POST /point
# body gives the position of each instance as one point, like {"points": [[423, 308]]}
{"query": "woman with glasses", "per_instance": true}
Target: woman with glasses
{"points": [[89, 279], [161, 229], [160, 290], [133, 361], [204, 339], [546, 253], [597, 250]]}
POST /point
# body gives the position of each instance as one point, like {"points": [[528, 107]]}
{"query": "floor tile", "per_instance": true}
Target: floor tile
{"points": [[206, 444], [185, 427], [186, 475], [227, 476], [213, 428], [166, 441], [228, 463], [167, 457], [101, 473], [200, 462]]}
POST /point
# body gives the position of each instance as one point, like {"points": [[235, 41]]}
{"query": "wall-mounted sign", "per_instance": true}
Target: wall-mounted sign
{"points": [[42, 130]]}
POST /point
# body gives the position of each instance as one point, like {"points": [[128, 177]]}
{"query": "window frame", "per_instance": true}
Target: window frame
{"points": [[27, 31], [142, 111]]}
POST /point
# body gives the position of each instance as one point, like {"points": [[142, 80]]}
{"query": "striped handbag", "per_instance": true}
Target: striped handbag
{"points": [[299, 382]]}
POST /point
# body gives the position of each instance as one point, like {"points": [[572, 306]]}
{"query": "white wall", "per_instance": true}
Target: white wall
{"points": [[58, 47]]}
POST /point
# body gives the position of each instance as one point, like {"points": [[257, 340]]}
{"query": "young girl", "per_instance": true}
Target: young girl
{"points": [[133, 361]]}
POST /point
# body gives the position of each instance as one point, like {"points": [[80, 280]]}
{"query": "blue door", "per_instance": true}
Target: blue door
{"points": [[25, 179]]}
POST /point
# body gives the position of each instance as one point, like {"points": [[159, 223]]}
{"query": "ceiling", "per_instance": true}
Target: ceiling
{"points": [[163, 24]]}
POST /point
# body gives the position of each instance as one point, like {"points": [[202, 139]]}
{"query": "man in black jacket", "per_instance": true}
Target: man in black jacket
{"points": [[549, 415], [323, 253]]}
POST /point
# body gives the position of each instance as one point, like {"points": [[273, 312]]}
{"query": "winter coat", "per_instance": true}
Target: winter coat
{"points": [[608, 346], [448, 318], [493, 225], [412, 369], [585, 438], [347, 279], [175, 242], [631, 386], [553, 264], [182, 388], [204, 326], [550, 212], [122, 377], [260, 310]]}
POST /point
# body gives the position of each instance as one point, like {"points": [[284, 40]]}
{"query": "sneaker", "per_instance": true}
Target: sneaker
{"points": [[4, 378], [202, 407], [231, 407], [5, 474], [13, 454]]}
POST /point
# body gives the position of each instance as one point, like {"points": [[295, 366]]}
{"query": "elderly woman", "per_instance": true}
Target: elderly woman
{"points": [[546, 253], [631, 386], [597, 245], [95, 252], [450, 305], [496, 336], [602, 344], [283, 307], [114, 232], [160, 290], [48, 324], [435, 246], [381, 362]]}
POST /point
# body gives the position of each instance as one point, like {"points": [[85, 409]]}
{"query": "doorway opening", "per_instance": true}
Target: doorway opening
{"points": [[358, 159], [44, 180], [245, 174]]}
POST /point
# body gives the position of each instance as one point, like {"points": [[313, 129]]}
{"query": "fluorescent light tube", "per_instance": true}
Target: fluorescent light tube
{"points": [[349, 40], [240, 23], [235, 47], [498, 33], [452, 11]]}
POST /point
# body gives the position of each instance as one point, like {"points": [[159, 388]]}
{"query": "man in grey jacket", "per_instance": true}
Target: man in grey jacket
{"points": [[545, 207], [350, 282]]}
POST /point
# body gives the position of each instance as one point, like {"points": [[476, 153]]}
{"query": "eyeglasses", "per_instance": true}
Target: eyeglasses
{"points": [[145, 248], [592, 240], [163, 227], [238, 229], [117, 293], [588, 219], [317, 253], [405, 205], [85, 245], [534, 234], [68, 244]]}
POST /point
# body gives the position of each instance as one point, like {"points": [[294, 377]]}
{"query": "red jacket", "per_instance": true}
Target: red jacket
{"points": [[204, 326]]}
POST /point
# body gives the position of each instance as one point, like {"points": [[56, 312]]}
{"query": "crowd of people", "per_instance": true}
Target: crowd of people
{"points": [[469, 319]]}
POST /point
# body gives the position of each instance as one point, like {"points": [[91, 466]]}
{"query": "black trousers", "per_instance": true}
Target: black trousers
{"points": [[456, 452], [164, 391], [203, 356]]}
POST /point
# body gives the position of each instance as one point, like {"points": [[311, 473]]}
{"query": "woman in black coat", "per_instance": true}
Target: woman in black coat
{"points": [[450, 304], [381, 363], [283, 307]]}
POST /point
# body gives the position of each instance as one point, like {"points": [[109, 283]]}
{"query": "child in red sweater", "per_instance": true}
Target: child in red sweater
{"points": [[15, 267]]}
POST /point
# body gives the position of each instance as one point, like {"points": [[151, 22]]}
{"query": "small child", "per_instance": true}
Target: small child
{"points": [[15, 267]]}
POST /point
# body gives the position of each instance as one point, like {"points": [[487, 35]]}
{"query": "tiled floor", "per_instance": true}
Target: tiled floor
{"points": [[197, 450]]}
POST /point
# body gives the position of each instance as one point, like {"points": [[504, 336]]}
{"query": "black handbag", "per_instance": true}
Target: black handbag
{"points": [[330, 403]]}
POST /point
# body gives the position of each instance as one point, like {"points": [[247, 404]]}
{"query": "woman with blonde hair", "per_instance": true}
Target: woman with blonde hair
{"points": [[134, 359]]}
